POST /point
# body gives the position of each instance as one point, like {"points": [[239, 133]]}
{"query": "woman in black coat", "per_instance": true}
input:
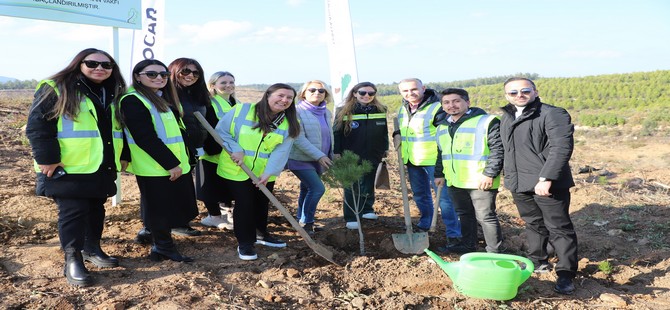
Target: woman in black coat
{"points": [[75, 143], [159, 158]]}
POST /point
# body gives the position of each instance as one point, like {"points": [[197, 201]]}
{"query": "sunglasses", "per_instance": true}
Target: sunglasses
{"points": [[187, 71], [154, 74], [320, 90], [369, 93], [94, 64], [523, 91]]}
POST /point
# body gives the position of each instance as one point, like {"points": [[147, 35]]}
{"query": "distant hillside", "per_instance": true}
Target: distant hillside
{"points": [[392, 89], [248, 95], [640, 98], [4, 79]]}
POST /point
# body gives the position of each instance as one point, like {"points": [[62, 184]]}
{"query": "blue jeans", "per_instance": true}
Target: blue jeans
{"points": [[311, 190], [421, 179], [477, 206]]}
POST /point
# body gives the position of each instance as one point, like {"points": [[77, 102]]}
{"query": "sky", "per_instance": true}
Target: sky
{"points": [[270, 41]]}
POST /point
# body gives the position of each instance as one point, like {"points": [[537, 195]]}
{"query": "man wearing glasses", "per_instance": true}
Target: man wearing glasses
{"points": [[538, 143]]}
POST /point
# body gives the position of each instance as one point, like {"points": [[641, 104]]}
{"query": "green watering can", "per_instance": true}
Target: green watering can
{"points": [[487, 275]]}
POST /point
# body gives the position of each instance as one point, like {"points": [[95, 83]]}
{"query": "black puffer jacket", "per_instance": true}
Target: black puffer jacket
{"points": [[368, 138], [196, 133], [46, 150], [494, 163], [537, 144]]}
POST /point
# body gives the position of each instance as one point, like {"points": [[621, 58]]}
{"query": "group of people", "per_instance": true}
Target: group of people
{"points": [[86, 124], [530, 145]]}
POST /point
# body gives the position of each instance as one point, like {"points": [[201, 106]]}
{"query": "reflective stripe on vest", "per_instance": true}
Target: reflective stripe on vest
{"points": [[257, 147], [81, 148], [221, 107], [168, 129], [369, 116], [417, 132], [117, 137], [464, 157]]}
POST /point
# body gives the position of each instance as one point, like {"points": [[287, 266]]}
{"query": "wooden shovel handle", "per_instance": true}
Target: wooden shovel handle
{"points": [[319, 249], [436, 205]]}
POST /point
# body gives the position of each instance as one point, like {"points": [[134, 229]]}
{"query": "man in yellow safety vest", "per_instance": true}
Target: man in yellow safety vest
{"points": [[470, 158]]}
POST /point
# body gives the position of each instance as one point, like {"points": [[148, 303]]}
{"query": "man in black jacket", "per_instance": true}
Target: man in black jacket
{"points": [[538, 143]]}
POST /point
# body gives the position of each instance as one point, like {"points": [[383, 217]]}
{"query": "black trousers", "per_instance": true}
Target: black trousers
{"points": [[251, 210], [80, 222], [213, 188], [548, 220]]}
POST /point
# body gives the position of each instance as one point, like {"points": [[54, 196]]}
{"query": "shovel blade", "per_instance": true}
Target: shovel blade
{"points": [[413, 243]]}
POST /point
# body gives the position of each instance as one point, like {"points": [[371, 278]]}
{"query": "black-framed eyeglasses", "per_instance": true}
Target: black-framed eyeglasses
{"points": [[155, 74], [187, 71], [523, 91], [320, 90], [94, 64], [369, 93]]}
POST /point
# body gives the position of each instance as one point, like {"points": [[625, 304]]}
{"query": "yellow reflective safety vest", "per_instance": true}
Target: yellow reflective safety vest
{"points": [[168, 128], [464, 157], [80, 142], [221, 107], [257, 146], [417, 132]]}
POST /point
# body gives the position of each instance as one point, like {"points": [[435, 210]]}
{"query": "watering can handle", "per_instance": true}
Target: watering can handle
{"points": [[525, 273]]}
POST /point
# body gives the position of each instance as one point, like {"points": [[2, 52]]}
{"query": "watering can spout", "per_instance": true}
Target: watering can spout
{"points": [[450, 268]]}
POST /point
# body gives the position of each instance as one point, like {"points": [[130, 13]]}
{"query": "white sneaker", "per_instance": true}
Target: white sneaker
{"points": [[226, 211], [216, 221], [352, 225], [246, 253], [270, 241], [370, 216]]}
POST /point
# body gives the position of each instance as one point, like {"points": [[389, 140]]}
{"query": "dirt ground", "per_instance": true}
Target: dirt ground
{"points": [[620, 211]]}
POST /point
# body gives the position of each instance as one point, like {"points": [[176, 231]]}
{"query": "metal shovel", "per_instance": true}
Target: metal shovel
{"points": [[409, 242]]}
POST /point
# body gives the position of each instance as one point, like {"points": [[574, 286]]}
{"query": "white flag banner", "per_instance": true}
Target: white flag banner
{"points": [[148, 43], [340, 36]]}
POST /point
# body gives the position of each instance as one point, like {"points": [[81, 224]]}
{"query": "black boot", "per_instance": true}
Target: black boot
{"points": [[95, 254], [164, 248], [75, 271], [143, 236]]}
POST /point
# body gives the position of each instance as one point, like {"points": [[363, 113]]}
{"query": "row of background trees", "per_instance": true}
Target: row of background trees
{"points": [[600, 100]]}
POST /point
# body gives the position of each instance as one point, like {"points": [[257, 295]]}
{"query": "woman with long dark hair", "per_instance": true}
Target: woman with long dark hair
{"points": [[361, 127], [188, 79], [76, 142], [260, 136], [159, 158]]}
